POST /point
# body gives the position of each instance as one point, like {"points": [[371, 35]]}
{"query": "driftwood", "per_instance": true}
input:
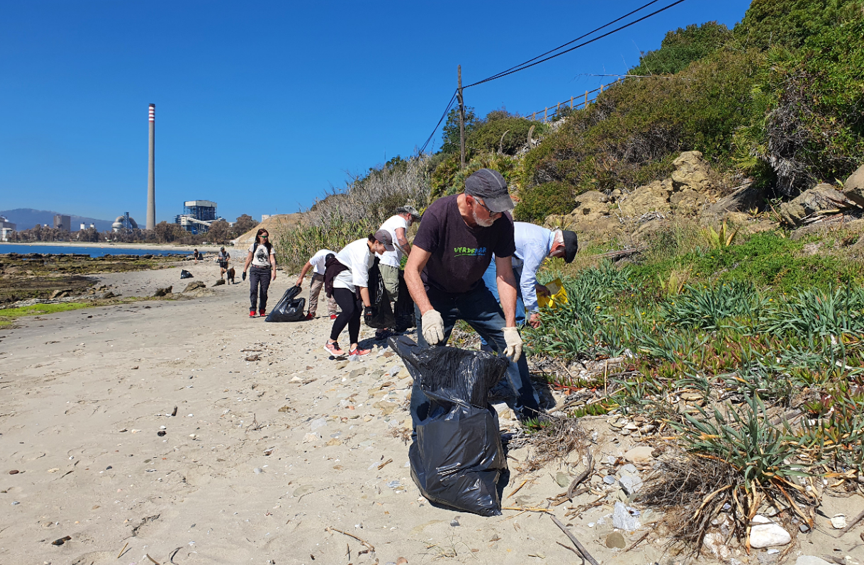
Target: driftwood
{"points": [[582, 476], [575, 541]]}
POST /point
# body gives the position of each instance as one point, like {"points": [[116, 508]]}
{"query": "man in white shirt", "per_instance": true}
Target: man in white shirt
{"points": [[317, 264], [389, 262]]}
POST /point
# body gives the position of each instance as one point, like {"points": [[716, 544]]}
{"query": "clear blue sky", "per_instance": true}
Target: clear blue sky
{"points": [[263, 106]]}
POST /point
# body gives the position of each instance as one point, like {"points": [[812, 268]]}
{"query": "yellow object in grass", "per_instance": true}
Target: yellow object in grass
{"points": [[558, 295]]}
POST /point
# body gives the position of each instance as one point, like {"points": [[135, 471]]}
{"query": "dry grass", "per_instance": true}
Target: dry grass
{"points": [[694, 490]]}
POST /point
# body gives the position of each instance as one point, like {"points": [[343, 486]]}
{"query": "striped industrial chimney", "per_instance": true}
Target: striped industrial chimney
{"points": [[151, 172]]}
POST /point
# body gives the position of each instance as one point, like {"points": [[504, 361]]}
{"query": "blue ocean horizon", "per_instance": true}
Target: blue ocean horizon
{"points": [[93, 251]]}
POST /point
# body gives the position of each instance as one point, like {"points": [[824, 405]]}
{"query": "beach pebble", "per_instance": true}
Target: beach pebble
{"points": [[454, 523], [639, 454], [765, 533], [258, 470], [810, 560], [563, 479], [609, 479], [14, 472], [616, 540], [838, 521]]}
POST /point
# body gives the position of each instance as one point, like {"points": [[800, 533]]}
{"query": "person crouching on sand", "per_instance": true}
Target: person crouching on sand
{"points": [[262, 257], [348, 277]]}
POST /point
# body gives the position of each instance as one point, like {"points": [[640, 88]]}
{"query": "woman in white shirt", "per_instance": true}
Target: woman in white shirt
{"points": [[351, 288], [262, 257]]}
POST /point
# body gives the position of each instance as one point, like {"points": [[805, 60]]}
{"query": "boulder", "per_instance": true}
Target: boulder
{"points": [[60, 293], [591, 217], [691, 171], [640, 454], [163, 291], [853, 188], [818, 199], [688, 202], [653, 197], [194, 285], [742, 200]]}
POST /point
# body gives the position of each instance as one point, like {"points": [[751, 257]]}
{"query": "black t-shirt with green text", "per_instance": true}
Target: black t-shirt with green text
{"points": [[460, 253]]}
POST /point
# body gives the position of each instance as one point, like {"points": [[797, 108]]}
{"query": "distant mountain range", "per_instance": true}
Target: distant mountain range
{"points": [[26, 218]]}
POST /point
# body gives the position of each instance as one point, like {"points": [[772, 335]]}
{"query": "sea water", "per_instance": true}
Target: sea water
{"points": [[93, 251]]}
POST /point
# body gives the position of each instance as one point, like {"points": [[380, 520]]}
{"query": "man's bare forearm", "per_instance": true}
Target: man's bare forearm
{"points": [[507, 292]]}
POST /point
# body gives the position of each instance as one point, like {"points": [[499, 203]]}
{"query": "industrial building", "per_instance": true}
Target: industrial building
{"points": [[197, 216], [62, 222], [6, 228], [123, 223]]}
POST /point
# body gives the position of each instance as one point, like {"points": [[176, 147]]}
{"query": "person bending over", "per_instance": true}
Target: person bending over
{"points": [[444, 273], [349, 276], [317, 264]]}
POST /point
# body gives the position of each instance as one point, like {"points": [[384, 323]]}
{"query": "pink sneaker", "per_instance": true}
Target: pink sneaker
{"points": [[333, 348], [359, 351]]}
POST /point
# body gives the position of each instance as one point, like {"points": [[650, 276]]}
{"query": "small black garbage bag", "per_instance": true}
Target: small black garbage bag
{"points": [[457, 456], [382, 313], [404, 313], [289, 308], [184, 274]]}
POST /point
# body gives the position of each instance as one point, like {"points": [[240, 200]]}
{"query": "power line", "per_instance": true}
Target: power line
{"points": [[539, 58], [444, 115], [535, 62], [640, 8]]}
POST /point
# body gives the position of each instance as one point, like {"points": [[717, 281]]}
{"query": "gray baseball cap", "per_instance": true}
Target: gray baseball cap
{"points": [[408, 209], [492, 188], [384, 238]]}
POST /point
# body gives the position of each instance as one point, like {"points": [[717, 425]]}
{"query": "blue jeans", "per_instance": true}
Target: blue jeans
{"points": [[489, 279], [482, 312]]}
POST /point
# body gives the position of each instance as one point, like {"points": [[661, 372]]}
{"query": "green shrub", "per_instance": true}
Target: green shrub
{"points": [[790, 22], [635, 130], [543, 200], [810, 126], [681, 47]]}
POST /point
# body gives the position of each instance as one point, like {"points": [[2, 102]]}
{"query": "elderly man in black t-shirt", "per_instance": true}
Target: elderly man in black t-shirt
{"points": [[457, 237]]}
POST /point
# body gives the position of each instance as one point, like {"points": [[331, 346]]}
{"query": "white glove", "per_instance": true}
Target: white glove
{"points": [[513, 341], [433, 327]]}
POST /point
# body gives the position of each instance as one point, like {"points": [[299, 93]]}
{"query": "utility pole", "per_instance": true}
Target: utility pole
{"points": [[461, 121]]}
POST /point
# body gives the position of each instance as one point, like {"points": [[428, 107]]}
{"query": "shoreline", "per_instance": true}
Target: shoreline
{"points": [[106, 245]]}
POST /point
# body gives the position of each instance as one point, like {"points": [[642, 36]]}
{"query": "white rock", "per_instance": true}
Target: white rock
{"points": [[838, 521], [810, 560], [714, 543], [310, 437], [622, 519], [639, 454], [631, 484], [765, 533]]}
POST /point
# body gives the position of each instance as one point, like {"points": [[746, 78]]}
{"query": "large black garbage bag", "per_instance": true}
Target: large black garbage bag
{"points": [[382, 313], [404, 313], [184, 274], [457, 457], [289, 308]]}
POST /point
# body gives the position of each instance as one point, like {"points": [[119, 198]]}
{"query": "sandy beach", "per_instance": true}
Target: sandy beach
{"points": [[271, 453]]}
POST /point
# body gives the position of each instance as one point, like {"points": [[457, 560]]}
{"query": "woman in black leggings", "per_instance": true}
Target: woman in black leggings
{"points": [[351, 288]]}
